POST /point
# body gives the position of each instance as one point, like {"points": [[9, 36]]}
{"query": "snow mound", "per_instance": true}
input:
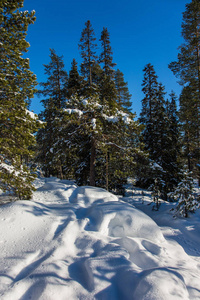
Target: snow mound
{"points": [[73, 242], [118, 219], [88, 195]]}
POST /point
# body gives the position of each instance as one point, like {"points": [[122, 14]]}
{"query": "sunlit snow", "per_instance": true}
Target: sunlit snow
{"points": [[73, 242]]}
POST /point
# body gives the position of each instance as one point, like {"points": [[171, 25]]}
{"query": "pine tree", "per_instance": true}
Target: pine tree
{"points": [[173, 144], [150, 90], [75, 81], [91, 126], [88, 47], [108, 92], [188, 200], [123, 95], [17, 85], [189, 127], [161, 133], [106, 56], [187, 68], [54, 92]]}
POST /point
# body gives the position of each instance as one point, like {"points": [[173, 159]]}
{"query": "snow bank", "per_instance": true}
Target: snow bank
{"points": [[74, 242]]}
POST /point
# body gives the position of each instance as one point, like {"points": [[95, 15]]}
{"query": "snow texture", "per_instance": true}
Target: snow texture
{"points": [[73, 242]]}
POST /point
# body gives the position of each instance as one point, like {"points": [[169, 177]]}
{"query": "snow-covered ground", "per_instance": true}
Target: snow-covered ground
{"points": [[73, 242]]}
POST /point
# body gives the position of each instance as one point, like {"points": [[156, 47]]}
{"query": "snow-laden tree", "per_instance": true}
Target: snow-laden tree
{"points": [[188, 200], [91, 131], [17, 84], [54, 92]]}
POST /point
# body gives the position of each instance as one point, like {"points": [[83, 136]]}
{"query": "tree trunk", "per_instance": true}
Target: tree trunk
{"points": [[92, 162]]}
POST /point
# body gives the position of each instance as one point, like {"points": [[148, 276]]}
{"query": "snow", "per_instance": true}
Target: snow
{"points": [[73, 242], [93, 121], [31, 114], [73, 110]]}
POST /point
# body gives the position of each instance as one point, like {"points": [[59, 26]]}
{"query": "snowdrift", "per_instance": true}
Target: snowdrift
{"points": [[74, 242]]}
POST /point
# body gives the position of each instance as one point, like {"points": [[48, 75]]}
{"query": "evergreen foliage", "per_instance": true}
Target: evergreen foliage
{"points": [[187, 69], [123, 95], [88, 135], [54, 92], [75, 81], [88, 48], [17, 85], [160, 134], [108, 92], [103, 139], [188, 200]]}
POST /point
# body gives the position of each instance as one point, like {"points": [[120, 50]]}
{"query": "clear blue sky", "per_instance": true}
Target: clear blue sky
{"points": [[141, 32]]}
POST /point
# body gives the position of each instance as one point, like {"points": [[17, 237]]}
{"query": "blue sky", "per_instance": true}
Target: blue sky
{"points": [[141, 32]]}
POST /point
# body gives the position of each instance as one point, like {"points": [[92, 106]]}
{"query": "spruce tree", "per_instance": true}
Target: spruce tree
{"points": [[54, 91], [123, 95], [188, 200], [108, 92], [17, 86], [150, 90], [160, 134], [189, 128], [75, 81], [187, 69], [91, 126], [88, 48], [106, 56]]}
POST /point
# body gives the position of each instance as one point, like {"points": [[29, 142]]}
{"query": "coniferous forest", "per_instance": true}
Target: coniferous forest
{"points": [[86, 131]]}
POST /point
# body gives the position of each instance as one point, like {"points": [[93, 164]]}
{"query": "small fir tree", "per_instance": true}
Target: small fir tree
{"points": [[188, 200]]}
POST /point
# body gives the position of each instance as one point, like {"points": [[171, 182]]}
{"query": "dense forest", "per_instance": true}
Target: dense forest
{"points": [[86, 131]]}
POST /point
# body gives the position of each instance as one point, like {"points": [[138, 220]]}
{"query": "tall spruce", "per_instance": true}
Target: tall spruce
{"points": [[88, 48], [160, 134], [108, 91], [17, 84], [173, 143], [75, 81], [188, 114], [150, 90], [123, 95], [54, 91], [187, 69]]}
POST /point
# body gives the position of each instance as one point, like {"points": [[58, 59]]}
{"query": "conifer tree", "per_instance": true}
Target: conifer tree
{"points": [[187, 113], [187, 69], [75, 81], [188, 200], [172, 144], [123, 95], [161, 132], [88, 48], [108, 90], [150, 90], [87, 121], [17, 85], [54, 92], [106, 56]]}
